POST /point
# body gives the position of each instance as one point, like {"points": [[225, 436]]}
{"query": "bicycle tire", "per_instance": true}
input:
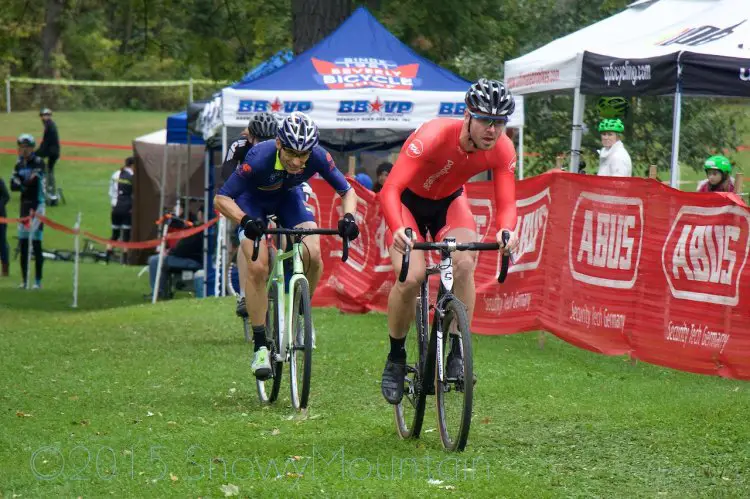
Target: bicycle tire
{"points": [[410, 426], [303, 353], [273, 340], [454, 436]]}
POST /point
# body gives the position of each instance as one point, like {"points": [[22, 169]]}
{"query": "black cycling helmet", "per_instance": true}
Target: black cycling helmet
{"points": [[263, 126], [490, 98]]}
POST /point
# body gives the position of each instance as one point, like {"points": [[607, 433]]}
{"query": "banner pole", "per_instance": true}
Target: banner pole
{"points": [[162, 249], [77, 228]]}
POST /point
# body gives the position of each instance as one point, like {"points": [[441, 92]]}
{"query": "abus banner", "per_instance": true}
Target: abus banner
{"points": [[612, 266]]}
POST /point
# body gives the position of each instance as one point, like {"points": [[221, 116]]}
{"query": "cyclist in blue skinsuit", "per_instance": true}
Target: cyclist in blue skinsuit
{"points": [[268, 182]]}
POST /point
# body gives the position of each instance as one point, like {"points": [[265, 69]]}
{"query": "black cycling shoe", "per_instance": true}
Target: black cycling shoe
{"points": [[392, 384], [241, 310]]}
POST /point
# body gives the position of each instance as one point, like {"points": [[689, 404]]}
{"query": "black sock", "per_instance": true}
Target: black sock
{"points": [[38, 259], [398, 350], [259, 337]]}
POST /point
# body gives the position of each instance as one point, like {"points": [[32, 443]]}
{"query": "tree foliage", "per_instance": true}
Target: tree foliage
{"points": [[222, 39]]}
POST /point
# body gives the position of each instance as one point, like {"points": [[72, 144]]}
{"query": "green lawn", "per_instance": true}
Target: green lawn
{"points": [[120, 398]]}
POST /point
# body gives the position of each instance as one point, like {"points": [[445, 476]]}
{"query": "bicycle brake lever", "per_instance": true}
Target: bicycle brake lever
{"points": [[405, 261], [256, 247], [345, 253]]}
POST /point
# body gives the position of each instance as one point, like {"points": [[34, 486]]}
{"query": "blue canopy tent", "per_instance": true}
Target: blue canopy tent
{"points": [[364, 88]]}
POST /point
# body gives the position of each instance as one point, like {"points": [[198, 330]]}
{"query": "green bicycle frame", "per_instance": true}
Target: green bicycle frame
{"points": [[285, 302]]}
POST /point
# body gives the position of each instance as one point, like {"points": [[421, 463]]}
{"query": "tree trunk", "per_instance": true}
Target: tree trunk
{"points": [[51, 34], [128, 32], [313, 20]]}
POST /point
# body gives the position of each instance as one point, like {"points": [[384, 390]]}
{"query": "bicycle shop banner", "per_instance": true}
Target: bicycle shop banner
{"points": [[615, 266]]}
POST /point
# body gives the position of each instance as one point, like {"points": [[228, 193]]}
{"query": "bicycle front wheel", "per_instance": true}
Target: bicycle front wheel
{"points": [[300, 365], [409, 413], [455, 391], [268, 389]]}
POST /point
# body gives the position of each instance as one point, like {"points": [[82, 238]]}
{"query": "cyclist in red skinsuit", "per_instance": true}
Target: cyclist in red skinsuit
{"points": [[425, 192]]}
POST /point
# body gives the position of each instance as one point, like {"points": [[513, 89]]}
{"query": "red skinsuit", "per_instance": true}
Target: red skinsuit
{"points": [[433, 165]]}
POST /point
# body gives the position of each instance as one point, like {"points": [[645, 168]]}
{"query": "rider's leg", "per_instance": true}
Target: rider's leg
{"points": [[255, 288]]}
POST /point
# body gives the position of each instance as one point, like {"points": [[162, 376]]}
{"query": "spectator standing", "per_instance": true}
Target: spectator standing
{"points": [[718, 170], [50, 149], [614, 160], [121, 198], [364, 179], [4, 249], [28, 179], [382, 173]]}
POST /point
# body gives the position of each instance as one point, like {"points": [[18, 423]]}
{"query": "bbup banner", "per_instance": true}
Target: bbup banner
{"points": [[615, 266]]}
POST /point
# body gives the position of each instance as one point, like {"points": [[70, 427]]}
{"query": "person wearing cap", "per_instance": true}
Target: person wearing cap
{"points": [[50, 149], [364, 180], [121, 199], [381, 174], [28, 180], [614, 160], [718, 170]]}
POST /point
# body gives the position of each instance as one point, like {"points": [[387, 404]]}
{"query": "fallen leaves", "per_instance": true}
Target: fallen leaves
{"points": [[22, 414], [173, 477]]}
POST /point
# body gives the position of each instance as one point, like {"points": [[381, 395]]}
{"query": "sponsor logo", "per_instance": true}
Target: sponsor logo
{"points": [[377, 106], [699, 35], [415, 148], [606, 235], [248, 106], [535, 78], [432, 178], [365, 72], [745, 74], [512, 166], [246, 168], [705, 252], [331, 163], [626, 72], [359, 249], [531, 227], [451, 109]]}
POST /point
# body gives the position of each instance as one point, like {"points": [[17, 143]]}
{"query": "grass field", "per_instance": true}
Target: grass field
{"points": [[120, 398]]}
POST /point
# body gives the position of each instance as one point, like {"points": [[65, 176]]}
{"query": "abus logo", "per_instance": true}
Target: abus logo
{"points": [[705, 252], [606, 233], [531, 228]]}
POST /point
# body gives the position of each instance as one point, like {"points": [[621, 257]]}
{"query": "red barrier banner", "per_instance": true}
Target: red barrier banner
{"points": [[14, 220], [615, 266], [56, 226]]}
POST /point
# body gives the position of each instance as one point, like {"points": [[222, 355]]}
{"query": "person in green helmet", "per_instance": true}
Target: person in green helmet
{"points": [[614, 160], [718, 169]]}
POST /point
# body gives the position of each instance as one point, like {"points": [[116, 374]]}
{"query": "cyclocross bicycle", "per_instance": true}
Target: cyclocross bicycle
{"points": [[289, 319], [427, 358]]}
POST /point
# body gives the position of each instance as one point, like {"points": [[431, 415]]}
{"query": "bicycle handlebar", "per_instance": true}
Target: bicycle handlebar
{"points": [[301, 232], [452, 246]]}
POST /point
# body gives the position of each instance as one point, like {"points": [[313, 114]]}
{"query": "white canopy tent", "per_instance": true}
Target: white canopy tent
{"points": [[654, 47]]}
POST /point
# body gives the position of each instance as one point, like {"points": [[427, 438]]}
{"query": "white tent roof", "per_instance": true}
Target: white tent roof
{"points": [[646, 29]]}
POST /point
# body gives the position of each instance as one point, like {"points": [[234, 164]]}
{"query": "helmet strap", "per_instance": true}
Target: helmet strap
{"points": [[469, 131]]}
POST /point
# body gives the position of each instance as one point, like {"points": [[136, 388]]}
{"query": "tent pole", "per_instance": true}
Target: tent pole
{"points": [[520, 153], [207, 215], [676, 119], [163, 180], [575, 142], [676, 123], [223, 248]]}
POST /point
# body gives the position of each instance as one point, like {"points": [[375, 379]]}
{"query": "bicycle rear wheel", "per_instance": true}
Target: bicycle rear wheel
{"points": [[454, 395], [268, 389], [409, 413], [300, 365]]}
